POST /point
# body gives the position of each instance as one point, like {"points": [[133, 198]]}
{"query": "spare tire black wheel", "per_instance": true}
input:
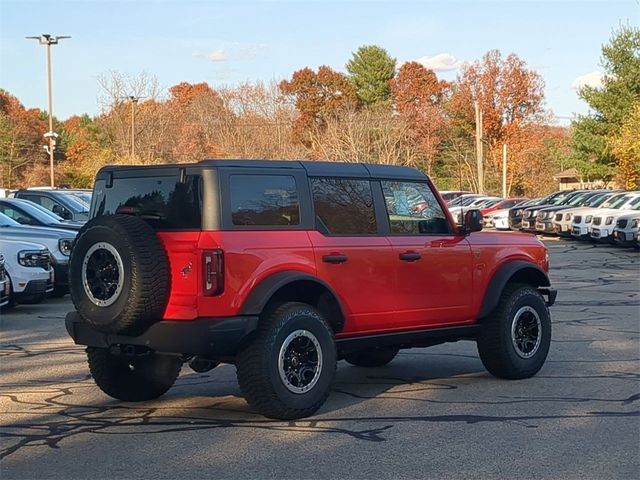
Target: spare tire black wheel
{"points": [[119, 274]]}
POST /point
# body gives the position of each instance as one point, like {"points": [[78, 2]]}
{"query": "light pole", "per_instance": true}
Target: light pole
{"points": [[48, 40], [133, 100]]}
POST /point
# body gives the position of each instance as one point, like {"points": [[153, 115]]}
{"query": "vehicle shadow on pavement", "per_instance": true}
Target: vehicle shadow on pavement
{"points": [[56, 408]]}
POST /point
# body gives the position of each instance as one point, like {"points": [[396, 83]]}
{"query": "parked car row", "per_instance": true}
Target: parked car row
{"points": [[600, 215], [37, 231]]}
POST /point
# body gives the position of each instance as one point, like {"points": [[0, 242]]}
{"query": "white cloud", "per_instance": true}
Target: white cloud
{"points": [[592, 79], [440, 62], [217, 55], [234, 51]]}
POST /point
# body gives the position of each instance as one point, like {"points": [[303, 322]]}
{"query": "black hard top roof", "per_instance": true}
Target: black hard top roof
{"points": [[313, 168]]}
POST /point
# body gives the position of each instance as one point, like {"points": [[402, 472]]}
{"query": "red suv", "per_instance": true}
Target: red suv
{"points": [[284, 268]]}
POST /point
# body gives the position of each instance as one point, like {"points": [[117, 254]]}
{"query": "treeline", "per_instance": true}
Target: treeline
{"points": [[378, 111]]}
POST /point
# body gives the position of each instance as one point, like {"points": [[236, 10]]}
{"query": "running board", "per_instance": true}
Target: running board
{"points": [[414, 338]]}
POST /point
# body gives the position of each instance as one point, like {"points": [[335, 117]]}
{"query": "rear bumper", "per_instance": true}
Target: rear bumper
{"points": [[215, 337]]}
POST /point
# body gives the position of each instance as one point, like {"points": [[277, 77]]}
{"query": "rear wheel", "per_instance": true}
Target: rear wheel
{"points": [[375, 357], [133, 378], [287, 370], [516, 336]]}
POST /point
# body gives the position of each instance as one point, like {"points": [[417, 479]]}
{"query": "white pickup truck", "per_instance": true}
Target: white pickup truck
{"points": [[28, 272]]}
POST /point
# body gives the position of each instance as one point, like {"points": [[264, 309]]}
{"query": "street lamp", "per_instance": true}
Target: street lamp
{"points": [[48, 40], [133, 100]]}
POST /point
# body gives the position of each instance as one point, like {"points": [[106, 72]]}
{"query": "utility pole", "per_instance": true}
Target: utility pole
{"points": [[48, 40], [479, 153], [133, 100], [504, 170]]}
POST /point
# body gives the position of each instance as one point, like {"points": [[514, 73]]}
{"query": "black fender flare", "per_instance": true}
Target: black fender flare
{"points": [[259, 297], [531, 273]]}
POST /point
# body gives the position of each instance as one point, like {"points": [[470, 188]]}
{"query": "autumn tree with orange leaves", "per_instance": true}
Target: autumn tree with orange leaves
{"points": [[21, 143], [318, 97], [419, 98], [511, 98]]}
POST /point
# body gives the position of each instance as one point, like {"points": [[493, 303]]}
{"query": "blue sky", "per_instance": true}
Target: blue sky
{"points": [[224, 43]]}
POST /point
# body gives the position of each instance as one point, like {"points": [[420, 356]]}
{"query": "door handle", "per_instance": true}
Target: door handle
{"points": [[410, 256], [334, 258]]}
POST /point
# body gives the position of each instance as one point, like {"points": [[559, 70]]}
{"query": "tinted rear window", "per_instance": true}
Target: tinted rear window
{"points": [[344, 206], [163, 202], [264, 200]]}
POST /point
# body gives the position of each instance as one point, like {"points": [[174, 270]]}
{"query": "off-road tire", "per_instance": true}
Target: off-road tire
{"points": [[133, 378], [145, 291], [258, 370], [495, 345], [374, 357]]}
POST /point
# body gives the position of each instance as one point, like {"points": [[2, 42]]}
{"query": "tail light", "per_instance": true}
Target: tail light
{"points": [[213, 272]]}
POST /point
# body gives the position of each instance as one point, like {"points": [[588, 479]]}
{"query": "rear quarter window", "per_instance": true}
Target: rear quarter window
{"points": [[264, 200], [163, 201]]}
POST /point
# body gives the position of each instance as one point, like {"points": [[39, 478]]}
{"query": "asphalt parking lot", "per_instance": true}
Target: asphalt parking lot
{"points": [[431, 413]]}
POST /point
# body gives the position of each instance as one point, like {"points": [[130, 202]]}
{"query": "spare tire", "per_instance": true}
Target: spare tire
{"points": [[119, 274]]}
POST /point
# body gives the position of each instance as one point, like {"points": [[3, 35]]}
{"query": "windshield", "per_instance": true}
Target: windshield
{"points": [[580, 199], [29, 208], [612, 200], [8, 222], [468, 201], [45, 211], [76, 204], [83, 196], [597, 200], [563, 199], [618, 202], [459, 201], [489, 203], [549, 199], [635, 205]]}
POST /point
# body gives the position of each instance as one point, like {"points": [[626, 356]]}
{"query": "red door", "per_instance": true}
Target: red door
{"points": [[433, 279], [361, 272], [352, 255], [433, 265]]}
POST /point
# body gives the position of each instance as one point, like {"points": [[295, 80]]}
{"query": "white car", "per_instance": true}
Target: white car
{"points": [[626, 229], [478, 203], [28, 270], [563, 220], [58, 241], [498, 219], [602, 226], [581, 221], [5, 288]]}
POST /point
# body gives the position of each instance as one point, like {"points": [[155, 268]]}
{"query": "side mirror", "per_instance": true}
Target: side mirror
{"points": [[472, 221]]}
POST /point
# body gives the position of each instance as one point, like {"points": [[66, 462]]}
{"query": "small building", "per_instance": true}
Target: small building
{"points": [[570, 179]]}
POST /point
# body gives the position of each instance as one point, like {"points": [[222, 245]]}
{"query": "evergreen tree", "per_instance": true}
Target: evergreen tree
{"points": [[370, 69], [612, 103]]}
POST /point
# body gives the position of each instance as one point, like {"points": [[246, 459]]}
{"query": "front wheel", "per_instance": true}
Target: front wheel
{"points": [[133, 378], [516, 336], [287, 370]]}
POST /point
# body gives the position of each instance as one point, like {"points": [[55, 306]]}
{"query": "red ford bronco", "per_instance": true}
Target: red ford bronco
{"points": [[283, 268]]}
